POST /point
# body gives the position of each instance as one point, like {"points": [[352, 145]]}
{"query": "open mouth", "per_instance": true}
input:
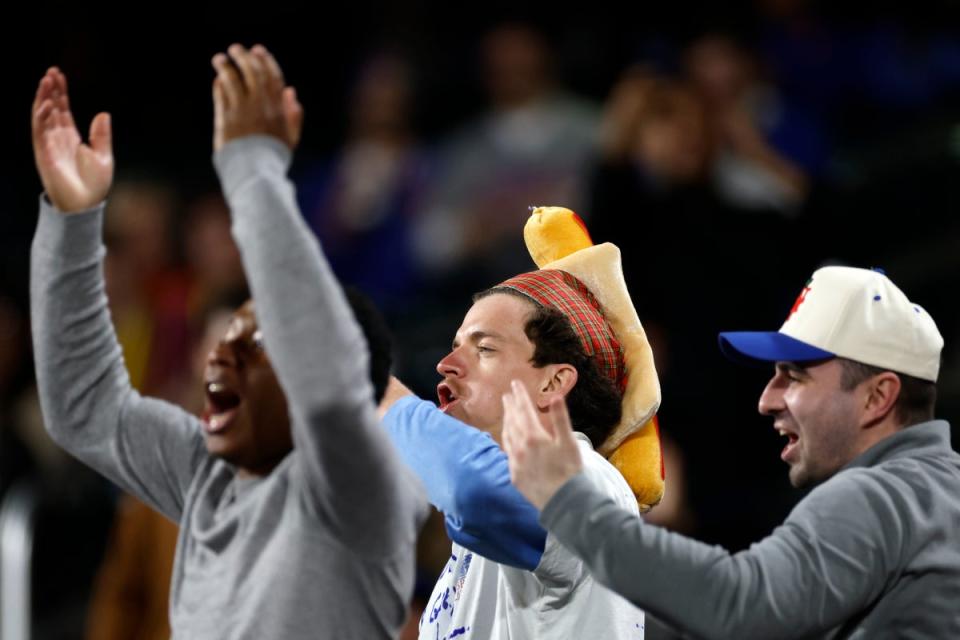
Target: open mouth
{"points": [[222, 407], [792, 439], [446, 396]]}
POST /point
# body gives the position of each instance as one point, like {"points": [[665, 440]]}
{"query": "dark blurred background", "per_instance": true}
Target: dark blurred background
{"points": [[728, 151]]}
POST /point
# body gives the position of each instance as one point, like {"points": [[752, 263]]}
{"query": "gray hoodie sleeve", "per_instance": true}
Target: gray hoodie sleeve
{"points": [[825, 563], [148, 447], [351, 477]]}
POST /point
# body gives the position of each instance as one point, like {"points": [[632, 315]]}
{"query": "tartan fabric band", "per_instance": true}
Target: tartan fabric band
{"points": [[565, 293]]}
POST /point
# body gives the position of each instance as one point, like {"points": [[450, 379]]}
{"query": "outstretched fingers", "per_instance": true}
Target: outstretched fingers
{"points": [[250, 98], [523, 431], [251, 69], [75, 176], [273, 74], [522, 416], [559, 424], [44, 92], [230, 82], [61, 98], [542, 450], [42, 119], [101, 136], [512, 432], [47, 113], [278, 93], [219, 109], [293, 115]]}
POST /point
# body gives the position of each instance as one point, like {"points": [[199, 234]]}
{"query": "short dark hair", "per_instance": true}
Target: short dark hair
{"points": [[377, 334], [917, 397], [594, 402]]}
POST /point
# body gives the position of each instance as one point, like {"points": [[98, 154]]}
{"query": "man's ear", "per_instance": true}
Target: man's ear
{"points": [[559, 379], [881, 395]]}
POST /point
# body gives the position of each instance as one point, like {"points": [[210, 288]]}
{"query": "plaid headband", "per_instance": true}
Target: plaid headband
{"points": [[565, 293]]}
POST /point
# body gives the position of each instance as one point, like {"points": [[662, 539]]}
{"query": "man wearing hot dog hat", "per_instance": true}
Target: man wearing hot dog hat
{"points": [[567, 333]]}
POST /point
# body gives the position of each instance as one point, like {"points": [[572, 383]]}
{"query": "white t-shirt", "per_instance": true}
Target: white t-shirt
{"points": [[478, 599]]}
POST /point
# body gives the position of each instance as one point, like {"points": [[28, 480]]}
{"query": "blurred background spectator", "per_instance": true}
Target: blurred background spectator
{"points": [[362, 201], [529, 146], [728, 152], [147, 294]]}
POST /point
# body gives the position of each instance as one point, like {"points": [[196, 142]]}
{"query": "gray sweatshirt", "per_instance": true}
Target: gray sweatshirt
{"points": [[873, 552], [322, 547]]}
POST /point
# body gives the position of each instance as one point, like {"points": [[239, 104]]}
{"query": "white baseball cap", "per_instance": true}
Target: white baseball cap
{"points": [[858, 314]]}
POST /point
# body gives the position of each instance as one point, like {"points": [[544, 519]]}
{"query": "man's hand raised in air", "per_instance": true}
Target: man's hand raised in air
{"points": [[75, 175]]}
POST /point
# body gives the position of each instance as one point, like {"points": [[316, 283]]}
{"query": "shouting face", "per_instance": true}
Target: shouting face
{"points": [[245, 418], [489, 350], [819, 418]]}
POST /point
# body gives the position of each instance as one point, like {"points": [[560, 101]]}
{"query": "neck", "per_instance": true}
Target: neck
{"points": [[878, 432]]}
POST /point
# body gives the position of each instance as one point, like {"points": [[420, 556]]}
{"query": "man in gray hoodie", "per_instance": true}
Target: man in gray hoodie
{"points": [[870, 552], [296, 517]]}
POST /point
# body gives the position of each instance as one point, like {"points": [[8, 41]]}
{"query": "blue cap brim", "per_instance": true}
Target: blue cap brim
{"points": [[762, 347]]}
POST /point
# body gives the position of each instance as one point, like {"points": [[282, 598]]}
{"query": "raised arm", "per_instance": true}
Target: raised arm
{"points": [[467, 478], [802, 581], [350, 473], [148, 447]]}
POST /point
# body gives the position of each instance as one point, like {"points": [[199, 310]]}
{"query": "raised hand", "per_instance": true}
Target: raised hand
{"points": [[542, 456], [75, 176], [250, 97]]}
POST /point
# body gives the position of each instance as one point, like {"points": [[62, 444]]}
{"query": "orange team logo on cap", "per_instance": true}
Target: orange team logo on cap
{"points": [[800, 298]]}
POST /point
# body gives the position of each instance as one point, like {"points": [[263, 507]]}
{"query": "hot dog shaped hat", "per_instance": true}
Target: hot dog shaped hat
{"points": [[586, 283]]}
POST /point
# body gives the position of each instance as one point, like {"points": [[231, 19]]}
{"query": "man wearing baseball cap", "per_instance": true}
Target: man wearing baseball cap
{"points": [[872, 551]]}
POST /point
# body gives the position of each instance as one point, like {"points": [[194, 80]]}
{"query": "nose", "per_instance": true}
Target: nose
{"points": [[222, 354], [771, 400], [450, 366]]}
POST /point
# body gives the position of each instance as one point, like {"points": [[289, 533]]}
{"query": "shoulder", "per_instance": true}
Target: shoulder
{"points": [[848, 489], [869, 513], [888, 482], [865, 503]]}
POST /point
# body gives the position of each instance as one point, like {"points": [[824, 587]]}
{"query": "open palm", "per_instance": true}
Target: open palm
{"points": [[76, 176]]}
